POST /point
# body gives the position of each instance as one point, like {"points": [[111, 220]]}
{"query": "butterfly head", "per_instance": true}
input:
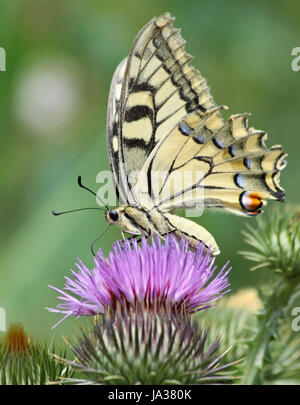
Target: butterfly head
{"points": [[117, 216], [112, 216], [127, 217]]}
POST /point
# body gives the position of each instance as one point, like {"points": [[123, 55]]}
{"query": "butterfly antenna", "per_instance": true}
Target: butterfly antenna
{"points": [[98, 237], [57, 213], [91, 191]]}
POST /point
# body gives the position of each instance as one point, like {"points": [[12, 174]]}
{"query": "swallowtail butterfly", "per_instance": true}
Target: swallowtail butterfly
{"points": [[163, 123]]}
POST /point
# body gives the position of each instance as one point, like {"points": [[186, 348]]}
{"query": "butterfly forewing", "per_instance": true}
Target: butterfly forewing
{"points": [[112, 131], [159, 87]]}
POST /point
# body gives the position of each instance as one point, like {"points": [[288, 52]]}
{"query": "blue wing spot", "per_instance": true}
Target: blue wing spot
{"points": [[232, 151], [198, 139], [219, 144], [240, 180], [247, 163], [185, 129]]}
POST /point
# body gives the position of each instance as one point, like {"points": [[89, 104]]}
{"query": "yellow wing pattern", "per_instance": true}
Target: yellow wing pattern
{"points": [[227, 161], [165, 128], [158, 88]]}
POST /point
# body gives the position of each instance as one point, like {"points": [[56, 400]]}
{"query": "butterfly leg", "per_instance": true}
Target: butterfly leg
{"points": [[130, 239], [139, 240], [134, 237]]}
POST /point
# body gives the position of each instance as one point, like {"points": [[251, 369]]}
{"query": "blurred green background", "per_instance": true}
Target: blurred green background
{"points": [[61, 56]]}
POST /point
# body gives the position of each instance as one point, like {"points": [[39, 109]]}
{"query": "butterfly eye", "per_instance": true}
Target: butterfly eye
{"points": [[113, 215]]}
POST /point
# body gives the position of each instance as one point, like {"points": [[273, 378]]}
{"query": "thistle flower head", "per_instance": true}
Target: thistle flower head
{"points": [[141, 347], [273, 352], [24, 360], [246, 298], [156, 276], [16, 340], [276, 241]]}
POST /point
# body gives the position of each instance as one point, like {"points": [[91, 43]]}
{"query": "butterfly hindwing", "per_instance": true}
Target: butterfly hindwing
{"points": [[218, 164]]}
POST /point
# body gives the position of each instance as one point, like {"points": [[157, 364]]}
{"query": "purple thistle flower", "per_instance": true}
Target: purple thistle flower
{"points": [[159, 275]]}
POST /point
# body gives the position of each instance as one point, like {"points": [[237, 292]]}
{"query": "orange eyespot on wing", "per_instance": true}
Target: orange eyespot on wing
{"points": [[252, 202]]}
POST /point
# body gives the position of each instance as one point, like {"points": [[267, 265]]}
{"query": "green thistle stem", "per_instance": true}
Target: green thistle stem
{"points": [[254, 360], [267, 329]]}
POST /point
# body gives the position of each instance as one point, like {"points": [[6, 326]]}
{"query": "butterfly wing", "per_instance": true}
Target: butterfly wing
{"points": [[159, 87], [165, 129], [206, 161], [112, 129], [192, 232]]}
